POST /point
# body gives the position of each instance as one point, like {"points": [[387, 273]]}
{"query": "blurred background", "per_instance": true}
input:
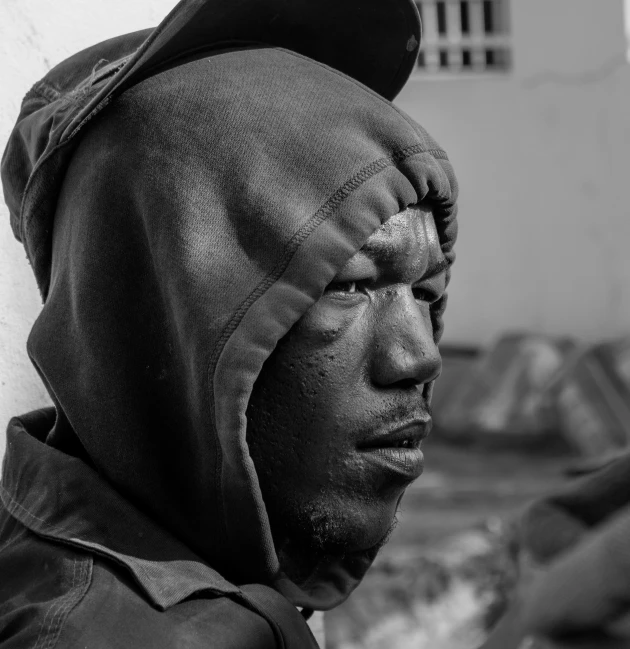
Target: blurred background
{"points": [[530, 99]]}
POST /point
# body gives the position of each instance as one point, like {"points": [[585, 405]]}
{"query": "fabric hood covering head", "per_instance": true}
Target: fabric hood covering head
{"points": [[201, 214]]}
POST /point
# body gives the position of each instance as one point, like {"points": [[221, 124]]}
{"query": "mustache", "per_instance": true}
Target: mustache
{"points": [[404, 412]]}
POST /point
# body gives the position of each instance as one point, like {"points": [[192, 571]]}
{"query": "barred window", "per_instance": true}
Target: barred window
{"points": [[463, 36]]}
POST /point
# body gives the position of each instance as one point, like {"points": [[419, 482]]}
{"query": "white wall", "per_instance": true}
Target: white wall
{"points": [[543, 160], [542, 155], [34, 36]]}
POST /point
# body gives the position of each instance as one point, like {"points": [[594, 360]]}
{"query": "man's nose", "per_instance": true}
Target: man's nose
{"points": [[405, 353]]}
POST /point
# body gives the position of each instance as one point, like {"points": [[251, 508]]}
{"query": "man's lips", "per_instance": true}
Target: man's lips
{"points": [[407, 435], [396, 451]]}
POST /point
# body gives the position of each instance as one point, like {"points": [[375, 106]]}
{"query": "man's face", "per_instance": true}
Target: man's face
{"points": [[338, 412]]}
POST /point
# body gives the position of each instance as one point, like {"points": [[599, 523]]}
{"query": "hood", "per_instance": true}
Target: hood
{"points": [[201, 213]]}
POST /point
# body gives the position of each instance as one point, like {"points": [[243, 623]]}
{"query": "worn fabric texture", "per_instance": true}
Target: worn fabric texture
{"points": [[201, 213]]}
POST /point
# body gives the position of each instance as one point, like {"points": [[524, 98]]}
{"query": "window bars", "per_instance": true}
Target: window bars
{"points": [[462, 36]]}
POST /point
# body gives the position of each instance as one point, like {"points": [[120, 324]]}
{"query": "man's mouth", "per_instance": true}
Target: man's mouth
{"points": [[397, 450], [408, 435], [406, 443]]}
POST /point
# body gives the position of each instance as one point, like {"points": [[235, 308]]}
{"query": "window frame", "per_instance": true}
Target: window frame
{"points": [[459, 42]]}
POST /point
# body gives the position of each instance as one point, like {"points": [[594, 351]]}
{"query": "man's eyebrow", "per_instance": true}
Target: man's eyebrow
{"points": [[379, 251]]}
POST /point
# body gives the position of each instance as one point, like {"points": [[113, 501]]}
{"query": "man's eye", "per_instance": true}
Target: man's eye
{"points": [[342, 287]]}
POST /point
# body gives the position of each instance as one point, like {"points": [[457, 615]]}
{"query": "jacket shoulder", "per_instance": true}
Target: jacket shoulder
{"points": [[115, 615], [41, 583], [53, 596]]}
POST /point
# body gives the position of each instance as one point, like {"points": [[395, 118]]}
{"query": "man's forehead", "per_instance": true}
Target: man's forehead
{"points": [[410, 237]]}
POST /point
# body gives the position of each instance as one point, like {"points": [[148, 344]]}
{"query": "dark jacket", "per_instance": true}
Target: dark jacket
{"points": [[80, 566], [177, 232]]}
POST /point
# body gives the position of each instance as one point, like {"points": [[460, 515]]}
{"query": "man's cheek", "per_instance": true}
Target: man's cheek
{"points": [[331, 320]]}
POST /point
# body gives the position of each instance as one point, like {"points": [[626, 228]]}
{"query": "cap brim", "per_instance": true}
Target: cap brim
{"points": [[374, 41]]}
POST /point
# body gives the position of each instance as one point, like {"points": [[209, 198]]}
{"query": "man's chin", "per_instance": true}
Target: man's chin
{"points": [[320, 529], [301, 555], [372, 544]]}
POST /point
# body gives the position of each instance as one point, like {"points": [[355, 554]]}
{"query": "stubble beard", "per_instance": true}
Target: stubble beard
{"points": [[316, 532]]}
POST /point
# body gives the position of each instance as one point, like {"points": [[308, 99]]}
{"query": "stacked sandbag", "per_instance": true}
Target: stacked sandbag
{"points": [[504, 395], [592, 398]]}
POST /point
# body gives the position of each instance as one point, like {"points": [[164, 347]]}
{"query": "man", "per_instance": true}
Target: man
{"points": [[243, 249]]}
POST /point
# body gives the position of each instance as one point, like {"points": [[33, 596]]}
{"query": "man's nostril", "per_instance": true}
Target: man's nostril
{"points": [[409, 383]]}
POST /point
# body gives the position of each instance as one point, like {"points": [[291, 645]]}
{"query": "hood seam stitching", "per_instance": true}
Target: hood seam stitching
{"points": [[322, 214]]}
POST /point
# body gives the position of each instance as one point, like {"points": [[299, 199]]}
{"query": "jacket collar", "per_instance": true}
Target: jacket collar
{"points": [[60, 497]]}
